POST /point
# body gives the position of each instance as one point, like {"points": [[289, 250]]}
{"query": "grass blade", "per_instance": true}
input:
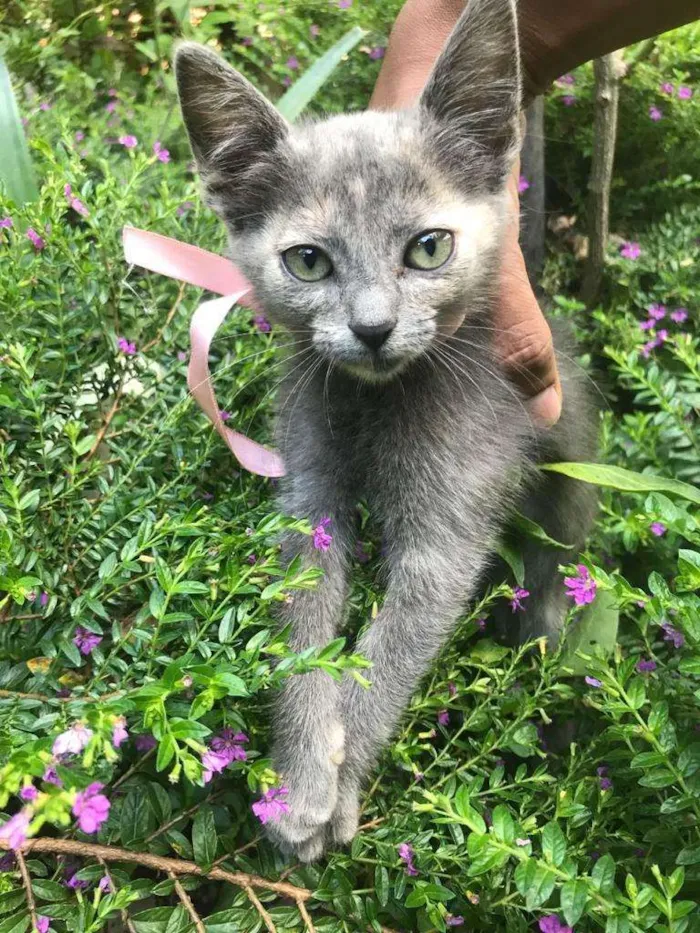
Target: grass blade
{"points": [[291, 104], [16, 171]]}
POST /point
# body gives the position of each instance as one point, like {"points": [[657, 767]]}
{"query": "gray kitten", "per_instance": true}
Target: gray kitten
{"points": [[374, 238]]}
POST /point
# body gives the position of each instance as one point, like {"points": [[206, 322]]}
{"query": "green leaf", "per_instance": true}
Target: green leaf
{"points": [[690, 666], [514, 558], [381, 885], [613, 477], [204, 837], [617, 924], [15, 166], [534, 882], [436, 892], [573, 896], [503, 826], [467, 813], [603, 874], [291, 104], [233, 684], [660, 777], [533, 530], [154, 920], [226, 921], [553, 844], [166, 752], [593, 632], [49, 890], [226, 626], [689, 856], [16, 924], [136, 819]]}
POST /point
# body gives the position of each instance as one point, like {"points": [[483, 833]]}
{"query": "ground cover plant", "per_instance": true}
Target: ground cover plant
{"points": [[139, 567]]}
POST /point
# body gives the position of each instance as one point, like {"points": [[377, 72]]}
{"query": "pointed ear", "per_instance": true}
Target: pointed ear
{"points": [[473, 93], [234, 131]]}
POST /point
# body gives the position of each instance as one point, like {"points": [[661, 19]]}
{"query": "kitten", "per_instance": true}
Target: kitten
{"points": [[374, 238]]}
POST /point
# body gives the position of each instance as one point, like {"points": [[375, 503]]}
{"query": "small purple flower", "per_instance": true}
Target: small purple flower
{"points": [[443, 717], [630, 250], [523, 184], [406, 854], [647, 325], [128, 141], [646, 667], [45, 105], [252, 559], [79, 136], [605, 783], [50, 776], [7, 862], [679, 315], [42, 924], [655, 114], [6, 223], [322, 540], [658, 529], [647, 348], [377, 52], [229, 743], [657, 312], [667, 88], [85, 641], [29, 792], [344, 4], [685, 92], [161, 153], [14, 832], [75, 883], [111, 106], [112, 92], [37, 242], [552, 924], [43, 599], [452, 689], [581, 588], [292, 63], [119, 733], [144, 743], [105, 885], [224, 415], [91, 808], [593, 681], [128, 349], [271, 805], [287, 81], [314, 30], [672, 635], [519, 594], [566, 80], [262, 323], [568, 100], [72, 741], [454, 921], [213, 763], [184, 207], [182, 356]]}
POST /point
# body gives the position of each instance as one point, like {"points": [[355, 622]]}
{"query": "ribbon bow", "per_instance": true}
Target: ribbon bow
{"points": [[196, 266]]}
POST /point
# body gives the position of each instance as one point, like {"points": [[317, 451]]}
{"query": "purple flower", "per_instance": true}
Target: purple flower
{"points": [[630, 250], [45, 105], [685, 92], [314, 30], [6, 223], [7, 862], [105, 885], [75, 883], [262, 323], [73, 740], [111, 106], [287, 81], [666, 88], [42, 924], [377, 52], [229, 743], [582, 588], [112, 92], [252, 559], [566, 80], [86, 641], [91, 808], [182, 356], [552, 924], [655, 114], [679, 315], [51, 776], [672, 635], [271, 805], [658, 529], [443, 717], [452, 689], [43, 599], [519, 594], [14, 832], [184, 207], [605, 783], [292, 62], [455, 921], [161, 154], [647, 325], [224, 415], [646, 667], [37, 242], [648, 347], [593, 681], [128, 349], [406, 855], [568, 100], [29, 792], [322, 540], [657, 312], [523, 184], [344, 4], [213, 763], [79, 136], [119, 733], [144, 743], [129, 141]]}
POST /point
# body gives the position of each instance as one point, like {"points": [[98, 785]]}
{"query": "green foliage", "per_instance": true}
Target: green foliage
{"points": [[122, 514]]}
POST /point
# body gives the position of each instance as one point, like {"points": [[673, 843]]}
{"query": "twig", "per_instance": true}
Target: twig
{"points": [[126, 919], [17, 695], [267, 919], [187, 904], [301, 907], [159, 863], [181, 816], [106, 423], [27, 881], [171, 315], [135, 767]]}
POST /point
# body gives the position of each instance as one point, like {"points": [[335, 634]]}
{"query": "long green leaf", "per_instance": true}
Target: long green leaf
{"points": [[291, 104], [15, 166], [614, 477]]}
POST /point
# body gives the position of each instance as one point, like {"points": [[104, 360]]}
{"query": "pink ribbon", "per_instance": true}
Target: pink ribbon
{"points": [[198, 267]]}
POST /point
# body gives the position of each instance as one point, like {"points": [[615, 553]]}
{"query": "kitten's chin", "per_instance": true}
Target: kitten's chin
{"points": [[379, 371]]}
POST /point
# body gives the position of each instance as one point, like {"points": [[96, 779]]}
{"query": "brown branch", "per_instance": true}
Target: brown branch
{"points": [[187, 904], [171, 315], [126, 919], [27, 881], [106, 423], [266, 918], [16, 694], [301, 907], [159, 863]]}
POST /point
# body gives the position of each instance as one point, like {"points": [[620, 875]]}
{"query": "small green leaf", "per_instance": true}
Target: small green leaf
{"points": [[503, 826], [603, 874], [204, 837], [553, 844], [593, 632], [381, 885], [573, 897], [166, 752], [689, 856]]}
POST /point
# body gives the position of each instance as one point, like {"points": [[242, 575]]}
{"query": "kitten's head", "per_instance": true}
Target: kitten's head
{"points": [[373, 233]]}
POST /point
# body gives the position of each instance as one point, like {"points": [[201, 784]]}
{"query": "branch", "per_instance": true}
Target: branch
{"points": [[171, 315], [301, 907], [27, 881], [267, 919], [159, 863], [126, 919], [187, 904], [106, 423]]}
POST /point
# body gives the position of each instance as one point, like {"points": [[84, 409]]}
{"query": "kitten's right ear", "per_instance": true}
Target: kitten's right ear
{"points": [[233, 129]]}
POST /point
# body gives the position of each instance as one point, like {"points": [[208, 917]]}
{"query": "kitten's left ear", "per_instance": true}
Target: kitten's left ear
{"points": [[473, 93]]}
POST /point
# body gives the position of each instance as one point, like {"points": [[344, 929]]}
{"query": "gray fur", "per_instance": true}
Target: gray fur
{"points": [[428, 429]]}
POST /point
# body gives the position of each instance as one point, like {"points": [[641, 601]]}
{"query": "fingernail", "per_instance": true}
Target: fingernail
{"points": [[545, 408]]}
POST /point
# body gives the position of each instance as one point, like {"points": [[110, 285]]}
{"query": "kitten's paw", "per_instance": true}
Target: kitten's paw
{"points": [[346, 816]]}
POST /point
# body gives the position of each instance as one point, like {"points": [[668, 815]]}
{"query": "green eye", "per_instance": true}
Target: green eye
{"points": [[308, 263], [429, 250]]}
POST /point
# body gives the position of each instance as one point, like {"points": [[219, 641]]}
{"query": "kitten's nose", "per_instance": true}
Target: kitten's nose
{"points": [[372, 335]]}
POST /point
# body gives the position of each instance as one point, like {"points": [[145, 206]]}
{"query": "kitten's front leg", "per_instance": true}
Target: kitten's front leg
{"points": [[308, 731]]}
